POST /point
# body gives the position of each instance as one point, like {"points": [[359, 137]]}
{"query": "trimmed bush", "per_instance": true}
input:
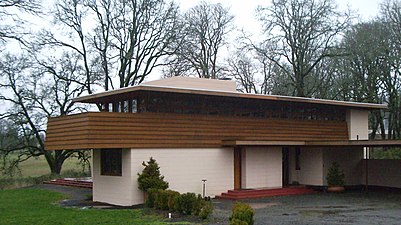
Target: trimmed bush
{"points": [[172, 200], [161, 201], [166, 199], [186, 203], [206, 209], [152, 196], [238, 222], [241, 212]]}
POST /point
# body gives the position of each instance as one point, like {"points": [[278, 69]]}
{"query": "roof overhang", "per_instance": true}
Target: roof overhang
{"points": [[339, 143], [100, 97]]}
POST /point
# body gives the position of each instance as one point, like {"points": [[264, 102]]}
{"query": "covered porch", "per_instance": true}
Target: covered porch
{"points": [[282, 164]]}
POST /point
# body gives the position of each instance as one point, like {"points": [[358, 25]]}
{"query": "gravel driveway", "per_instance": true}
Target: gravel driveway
{"points": [[320, 208]]}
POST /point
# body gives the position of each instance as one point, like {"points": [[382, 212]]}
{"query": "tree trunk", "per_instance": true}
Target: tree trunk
{"points": [[55, 161]]}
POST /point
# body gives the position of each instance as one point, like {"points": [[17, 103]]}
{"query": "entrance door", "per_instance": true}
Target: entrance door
{"points": [[237, 168], [286, 166]]}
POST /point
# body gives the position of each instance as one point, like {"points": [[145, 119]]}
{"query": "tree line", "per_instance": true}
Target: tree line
{"points": [[306, 48]]}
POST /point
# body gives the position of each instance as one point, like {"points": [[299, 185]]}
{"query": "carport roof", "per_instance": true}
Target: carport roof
{"points": [[339, 143]]}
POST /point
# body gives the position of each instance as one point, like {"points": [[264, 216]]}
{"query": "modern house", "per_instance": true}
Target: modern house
{"points": [[200, 129]]}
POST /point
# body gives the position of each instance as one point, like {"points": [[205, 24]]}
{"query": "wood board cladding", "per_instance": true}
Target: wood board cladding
{"points": [[96, 130]]}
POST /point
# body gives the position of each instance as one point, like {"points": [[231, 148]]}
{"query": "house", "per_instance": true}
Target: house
{"points": [[200, 129]]}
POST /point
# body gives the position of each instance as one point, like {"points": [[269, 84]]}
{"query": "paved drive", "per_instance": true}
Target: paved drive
{"points": [[321, 208]]}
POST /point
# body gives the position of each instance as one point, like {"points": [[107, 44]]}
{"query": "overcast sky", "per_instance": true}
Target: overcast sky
{"points": [[244, 10]]}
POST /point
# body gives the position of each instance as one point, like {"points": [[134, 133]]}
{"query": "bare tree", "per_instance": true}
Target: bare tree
{"points": [[204, 32], [254, 72], [143, 32], [34, 93], [11, 25], [126, 39], [243, 69], [302, 33]]}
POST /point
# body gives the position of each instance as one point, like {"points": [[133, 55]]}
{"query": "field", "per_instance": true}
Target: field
{"points": [[34, 206], [36, 170]]}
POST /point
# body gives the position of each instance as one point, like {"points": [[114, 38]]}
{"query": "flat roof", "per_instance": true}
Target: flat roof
{"points": [[339, 143], [95, 98]]}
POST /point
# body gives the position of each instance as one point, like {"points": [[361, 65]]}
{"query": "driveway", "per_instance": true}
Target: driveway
{"points": [[321, 208]]}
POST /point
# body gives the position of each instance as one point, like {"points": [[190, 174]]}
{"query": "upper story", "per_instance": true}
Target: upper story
{"points": [[192, 112]]}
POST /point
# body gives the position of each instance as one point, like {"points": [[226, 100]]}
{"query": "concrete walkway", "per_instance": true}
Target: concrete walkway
{"points": [[77, 196]]}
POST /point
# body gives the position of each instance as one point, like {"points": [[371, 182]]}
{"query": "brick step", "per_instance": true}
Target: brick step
{"points": [[258, 196], [264, 195], [249, 194], [71, 183], [269, 190], [70, 180], [278, 192]]}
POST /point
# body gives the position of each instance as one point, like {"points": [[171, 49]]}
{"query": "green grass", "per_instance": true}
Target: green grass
{"points": [[34, 206], [35, 171], [35, 167]]}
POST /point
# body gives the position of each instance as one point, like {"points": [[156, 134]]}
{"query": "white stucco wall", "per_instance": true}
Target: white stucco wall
{"points": [[383, 172], [357, 121], [311, 166], [115, 190], [184, 169], [349, 159], [263, 167]]}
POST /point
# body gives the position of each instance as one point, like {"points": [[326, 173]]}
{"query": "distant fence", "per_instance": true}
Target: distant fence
{"points": [[383, 172]]}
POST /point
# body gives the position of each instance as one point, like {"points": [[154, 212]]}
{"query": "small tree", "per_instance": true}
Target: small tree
{"points": [[151, 177], [335, 176]]}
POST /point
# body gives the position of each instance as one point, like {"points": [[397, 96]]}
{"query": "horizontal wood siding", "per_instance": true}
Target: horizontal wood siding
{"points": [[158, 130]]}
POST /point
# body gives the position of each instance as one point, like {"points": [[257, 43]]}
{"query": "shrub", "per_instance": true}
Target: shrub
{"points": [[186, 203], [161, 201], [241, 212], [172, 199], [335, 176], [238, 222], [151, 177], [152, 196], [206, 209]]}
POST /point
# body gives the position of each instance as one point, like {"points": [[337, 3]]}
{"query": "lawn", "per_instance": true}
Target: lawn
{"points": [[35, 171], [35, 167], [34, 206]]}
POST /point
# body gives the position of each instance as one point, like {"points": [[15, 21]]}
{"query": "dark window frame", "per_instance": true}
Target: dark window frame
{"points": [[111, 162]]}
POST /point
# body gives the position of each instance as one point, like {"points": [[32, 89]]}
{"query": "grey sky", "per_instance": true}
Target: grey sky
{"points": [[244, 11]]}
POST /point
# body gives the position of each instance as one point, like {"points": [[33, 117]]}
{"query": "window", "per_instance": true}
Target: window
{"points": [[125, 106], [133, 106], [111, 162], [297, 156]]}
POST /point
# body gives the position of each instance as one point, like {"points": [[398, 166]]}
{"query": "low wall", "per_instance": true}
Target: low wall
{"points": [[383, 172]]}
